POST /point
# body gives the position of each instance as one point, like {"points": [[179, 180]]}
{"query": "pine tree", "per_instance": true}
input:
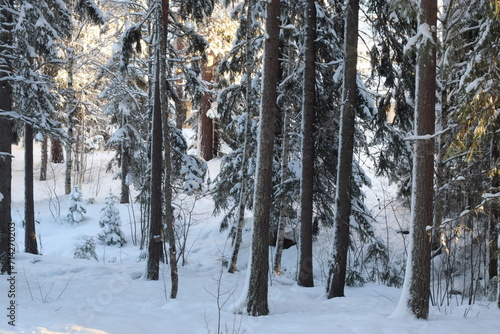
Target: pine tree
{"points": [[416, 292], [257, 291], [76, 207], [338, 267], [110, 222]]}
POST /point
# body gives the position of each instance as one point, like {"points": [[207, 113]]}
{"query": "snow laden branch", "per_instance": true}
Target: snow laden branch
{"points": [[424, 35], [428, 136]]}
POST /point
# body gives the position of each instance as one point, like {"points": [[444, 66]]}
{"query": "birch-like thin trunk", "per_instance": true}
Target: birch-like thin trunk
{"points": [[44, 155], [70, 109], [244, 177], [280, 238]]}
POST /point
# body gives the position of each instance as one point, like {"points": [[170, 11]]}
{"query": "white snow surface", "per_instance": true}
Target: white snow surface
{"points": [[56, 293]]}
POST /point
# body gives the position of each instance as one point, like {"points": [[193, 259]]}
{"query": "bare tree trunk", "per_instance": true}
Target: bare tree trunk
{"points": [[125, 164], [44, 159], [206, 123], [280, 238], [70, 109], [169, 214], [338, 267], [56, 151], [155, 249], [417, 279], [257, 290], [305, 265], [6, 247], [30, 245]]}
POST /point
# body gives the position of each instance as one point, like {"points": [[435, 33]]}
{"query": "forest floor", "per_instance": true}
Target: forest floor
{"points": [[56, 293]]}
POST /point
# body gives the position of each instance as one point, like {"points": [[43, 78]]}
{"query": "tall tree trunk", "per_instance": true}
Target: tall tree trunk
{"points": [[244, 170], [305, 265], [30, 245], [155, 249], [56, 151], [338, 267], [494, 228], [44, 155], [207, 123], [6, 247], [416, 290], [70, 110], [169, 212], [280, 238], [257, 289]]}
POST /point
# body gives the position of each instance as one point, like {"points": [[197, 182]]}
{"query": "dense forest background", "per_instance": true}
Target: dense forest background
{"points": [[295, 98]]}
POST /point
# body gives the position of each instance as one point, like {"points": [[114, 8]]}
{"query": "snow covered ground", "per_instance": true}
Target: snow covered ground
{"points": [[55, 293]]}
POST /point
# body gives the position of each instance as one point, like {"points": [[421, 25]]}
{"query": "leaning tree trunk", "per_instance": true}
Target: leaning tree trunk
{"points": [[257, 289], [416, 290], [44, 155], [305, 265], [338, 267], [30, 245], [280, 238]]}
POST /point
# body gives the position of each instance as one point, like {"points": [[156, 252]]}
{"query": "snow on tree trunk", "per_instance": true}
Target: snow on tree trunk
{"points": [[416, 289], [305, 265], [30, 244], [257, 289], [44, 152], [5, 144], [338, 266], [206, 122]]}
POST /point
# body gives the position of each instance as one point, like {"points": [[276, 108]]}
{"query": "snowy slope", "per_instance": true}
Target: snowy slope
{"points": [[56, 293]]}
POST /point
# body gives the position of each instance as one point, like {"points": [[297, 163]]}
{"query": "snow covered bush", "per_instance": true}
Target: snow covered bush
{"points": [[76, 206], [86, 249], [110, 222]]}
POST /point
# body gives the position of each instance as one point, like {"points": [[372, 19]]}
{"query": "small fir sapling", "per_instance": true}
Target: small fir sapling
{"points": [[76, 207], [110, 222], [85, 249]]}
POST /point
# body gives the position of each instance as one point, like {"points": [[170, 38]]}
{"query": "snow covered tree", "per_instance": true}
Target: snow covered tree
{"points": [[76, 207], [110, 222], [6, 44], [416, 290], [257, 304]]}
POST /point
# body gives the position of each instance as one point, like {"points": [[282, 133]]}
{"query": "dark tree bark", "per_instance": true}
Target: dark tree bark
{"points": [[44, 159], [125, 164], [30, 244], [206, 123], [169, 212], [423, 167], [155, 248], [257, 291], [305, 270], [56, 151], [6, 247], [337, 273]]}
